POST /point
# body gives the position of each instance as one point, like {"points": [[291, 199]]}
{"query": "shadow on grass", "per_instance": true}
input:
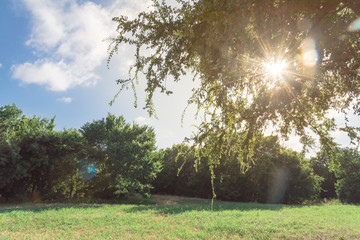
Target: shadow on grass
{"points": [[69, 203], [180, 207], [43, 207], [206, 206]]}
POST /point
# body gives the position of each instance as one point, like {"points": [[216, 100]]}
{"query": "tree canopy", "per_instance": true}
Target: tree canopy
{"points": [[123, 155], [107, 158], [346, 168], [276, 63], [33, 156]]}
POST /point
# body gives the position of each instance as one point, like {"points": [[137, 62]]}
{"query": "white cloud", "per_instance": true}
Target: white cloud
{"points": [[65, 100], [141, 120], [0, 65], [67, 37]]}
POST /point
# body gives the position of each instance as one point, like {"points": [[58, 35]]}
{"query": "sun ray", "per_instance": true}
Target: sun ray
{"points": [[272, 68], [275, 68]]}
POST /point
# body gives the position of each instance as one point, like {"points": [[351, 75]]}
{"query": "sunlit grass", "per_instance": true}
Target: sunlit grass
{"points": [[193, 220]]}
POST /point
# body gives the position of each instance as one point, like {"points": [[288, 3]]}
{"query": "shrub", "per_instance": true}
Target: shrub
{"points": [[277, 175], [347, 170]]}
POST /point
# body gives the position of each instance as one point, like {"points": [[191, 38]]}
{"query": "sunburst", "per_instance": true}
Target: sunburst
{"points": [[275, 69]]}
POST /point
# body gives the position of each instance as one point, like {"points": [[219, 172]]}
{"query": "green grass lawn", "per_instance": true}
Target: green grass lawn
{"points": [[189, 219]]}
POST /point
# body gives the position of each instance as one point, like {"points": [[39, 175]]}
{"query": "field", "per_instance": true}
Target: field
{"points": [[179, 218]]}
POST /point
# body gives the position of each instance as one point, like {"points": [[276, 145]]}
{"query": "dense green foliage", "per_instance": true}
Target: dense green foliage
{"points": [[278, 175], [190, 219], [322, 167], [34, 158], [123, 156], [104, 159], [347, 171], [111, 159], [232, 47], [181, 175]]}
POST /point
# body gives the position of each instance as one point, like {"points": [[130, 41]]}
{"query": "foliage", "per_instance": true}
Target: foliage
{"points": [[35, 159], [347, 171], [178, 175], [57, 176], [9, 152], [279, 175], [322, 167], [106, 157], [229, 46], [21, 148], [123, 156]]}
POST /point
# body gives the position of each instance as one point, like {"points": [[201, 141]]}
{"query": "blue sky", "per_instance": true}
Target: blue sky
{"points": [[53, 63]]}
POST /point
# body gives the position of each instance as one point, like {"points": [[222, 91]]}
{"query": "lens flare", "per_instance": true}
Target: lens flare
{"points": [[354, 26], [279, 185], [88, 171], [309, 54]]}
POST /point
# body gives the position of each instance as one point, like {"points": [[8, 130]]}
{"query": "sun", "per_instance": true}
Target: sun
{"points": [[275, 69]]}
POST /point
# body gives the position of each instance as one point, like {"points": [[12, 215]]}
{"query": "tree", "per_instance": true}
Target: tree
{"points": [[18, 155], [36, 160], [323, 166], [58, 154], [274, 63], [279, 176], [123, 156], [178, 175], [347, 170]]}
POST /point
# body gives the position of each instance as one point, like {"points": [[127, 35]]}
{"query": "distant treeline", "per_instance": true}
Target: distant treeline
{"points": [[276, 175], [112, 159]]}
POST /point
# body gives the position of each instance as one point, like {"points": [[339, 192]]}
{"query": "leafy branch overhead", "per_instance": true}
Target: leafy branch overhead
{"points": [[275, 63]]}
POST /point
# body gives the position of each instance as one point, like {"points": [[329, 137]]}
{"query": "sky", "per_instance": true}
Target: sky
{"points": [[53, 63]]}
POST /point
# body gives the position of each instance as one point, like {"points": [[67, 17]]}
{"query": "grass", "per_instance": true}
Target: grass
{"points": [[188, 219]]}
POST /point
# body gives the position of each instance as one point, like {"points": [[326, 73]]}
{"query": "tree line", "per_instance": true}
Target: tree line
{"points": [[106, 158], [112, 159]]}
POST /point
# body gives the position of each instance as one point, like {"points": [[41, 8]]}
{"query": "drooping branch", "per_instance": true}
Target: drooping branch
{"points": [[227, 44]]}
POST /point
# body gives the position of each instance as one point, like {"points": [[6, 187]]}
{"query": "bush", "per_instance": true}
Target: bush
{"points": [[321, 165], [278, 175], [123, 156], [179, 176], [347, 170]]}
